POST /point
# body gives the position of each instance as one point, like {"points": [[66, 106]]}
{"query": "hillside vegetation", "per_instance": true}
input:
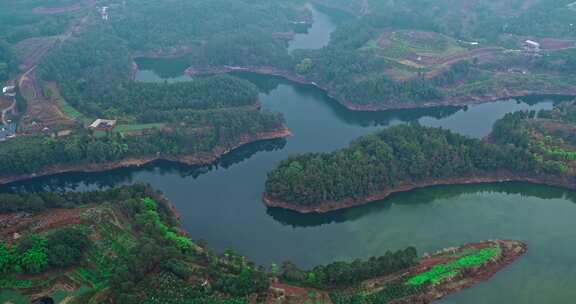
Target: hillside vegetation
{"points": [[125, 245]]}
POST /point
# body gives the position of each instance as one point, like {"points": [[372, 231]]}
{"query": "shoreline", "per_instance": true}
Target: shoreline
{"points": [[371, 107], [189, 159], [511, 252], [497, 177]]}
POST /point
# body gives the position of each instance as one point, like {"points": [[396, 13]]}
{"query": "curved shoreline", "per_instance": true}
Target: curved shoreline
{"points": [[189, 159], [453, 101], [568, 182], [511, 252]]}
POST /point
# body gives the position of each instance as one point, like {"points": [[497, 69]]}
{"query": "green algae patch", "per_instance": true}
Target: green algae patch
{"points": [[449, 270]]}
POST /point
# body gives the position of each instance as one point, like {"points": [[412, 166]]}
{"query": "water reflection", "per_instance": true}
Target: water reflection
{"points": [[267, 84], [317, 36], [81, 181], [421, 196]]}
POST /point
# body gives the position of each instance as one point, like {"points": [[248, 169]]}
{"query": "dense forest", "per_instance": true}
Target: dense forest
{"points": [[94, 75], [389, 158], [224, 31]]}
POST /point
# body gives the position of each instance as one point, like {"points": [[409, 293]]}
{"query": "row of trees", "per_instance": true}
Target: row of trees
{"points": [[40, 201], [347, 274]]}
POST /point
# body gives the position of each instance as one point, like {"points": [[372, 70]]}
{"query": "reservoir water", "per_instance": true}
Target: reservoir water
{"points": [[222, 203], [318, 35]]}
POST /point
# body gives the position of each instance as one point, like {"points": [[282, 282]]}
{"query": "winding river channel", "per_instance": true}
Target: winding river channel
{"points": [[222, 203]]}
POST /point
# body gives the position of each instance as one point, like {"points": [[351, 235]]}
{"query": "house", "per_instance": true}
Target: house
{"points": [[63, 133], [103, 124], [532, 46], [7, 131], [518, 71], [9, 91], [104, 13]]}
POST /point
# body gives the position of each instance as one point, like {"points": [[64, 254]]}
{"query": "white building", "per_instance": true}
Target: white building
{"points": [[104, 13], [9, 91], [531, 45], [103, 124]]}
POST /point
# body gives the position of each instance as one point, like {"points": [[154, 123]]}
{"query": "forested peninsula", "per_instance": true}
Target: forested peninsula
{"points": [[126, 245], [524, 146]]}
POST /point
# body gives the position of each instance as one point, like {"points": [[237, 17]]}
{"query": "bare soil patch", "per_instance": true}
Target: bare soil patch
{"points": [[25, 222], [384, 40], [41, 112], [556, 44], [282, 293]]}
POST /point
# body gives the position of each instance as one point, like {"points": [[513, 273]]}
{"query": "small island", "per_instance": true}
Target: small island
{"points": [[126, 245], [523, 146]]}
